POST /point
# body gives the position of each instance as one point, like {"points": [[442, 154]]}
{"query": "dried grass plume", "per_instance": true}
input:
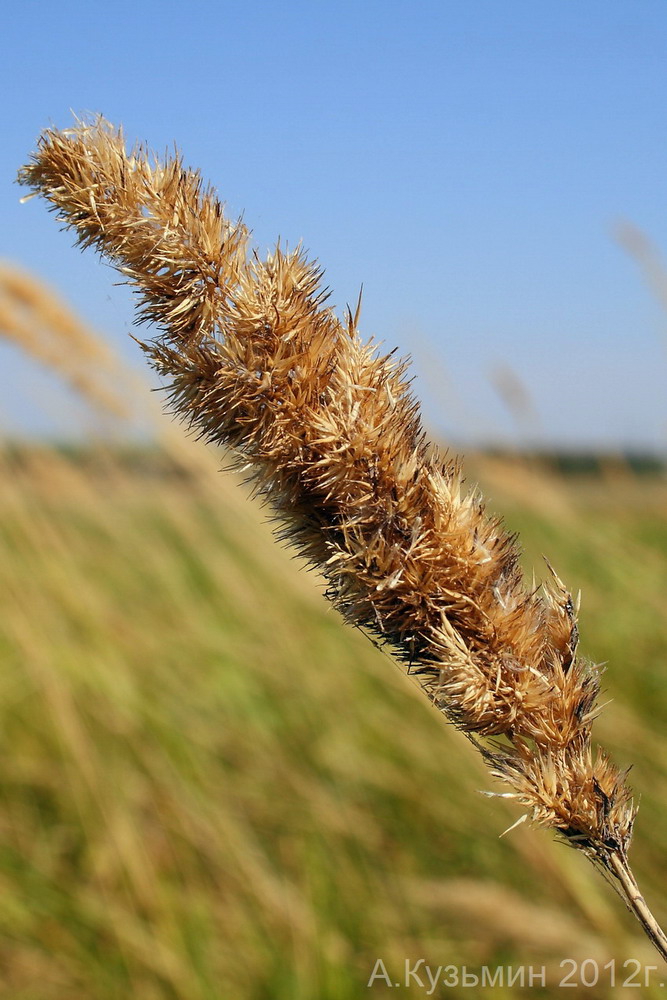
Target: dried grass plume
{"points": [[327, 426]]}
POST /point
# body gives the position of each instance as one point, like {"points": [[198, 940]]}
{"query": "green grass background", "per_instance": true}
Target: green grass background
{"points": [[211, 788]]}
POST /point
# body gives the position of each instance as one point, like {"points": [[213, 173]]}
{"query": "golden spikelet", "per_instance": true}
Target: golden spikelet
{"points": [[328, 429]]}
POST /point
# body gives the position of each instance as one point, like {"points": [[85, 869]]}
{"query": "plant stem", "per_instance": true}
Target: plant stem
{"points": [[618, 866]]}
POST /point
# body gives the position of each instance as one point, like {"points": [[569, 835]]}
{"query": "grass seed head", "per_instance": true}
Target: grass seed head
{"points": [[256, 360]]}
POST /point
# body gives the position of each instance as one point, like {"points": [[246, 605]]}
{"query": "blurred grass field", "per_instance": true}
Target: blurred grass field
{"points": [[212, 789]]}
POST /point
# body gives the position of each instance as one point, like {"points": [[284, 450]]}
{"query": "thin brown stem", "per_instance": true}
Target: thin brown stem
{"points": [[618, 866]]}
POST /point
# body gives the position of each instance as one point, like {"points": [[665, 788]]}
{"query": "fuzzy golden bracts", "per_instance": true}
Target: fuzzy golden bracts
{"points": [[328, 428]]}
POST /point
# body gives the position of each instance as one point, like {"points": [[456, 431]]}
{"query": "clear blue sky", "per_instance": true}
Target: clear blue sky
{"points": [[467, 162]]}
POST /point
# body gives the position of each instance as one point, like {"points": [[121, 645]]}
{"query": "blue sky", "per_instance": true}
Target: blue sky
{"points": [[467, 162]]}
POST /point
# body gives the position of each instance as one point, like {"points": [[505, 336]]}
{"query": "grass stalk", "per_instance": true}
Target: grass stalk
{"points": [[327, 428]]}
